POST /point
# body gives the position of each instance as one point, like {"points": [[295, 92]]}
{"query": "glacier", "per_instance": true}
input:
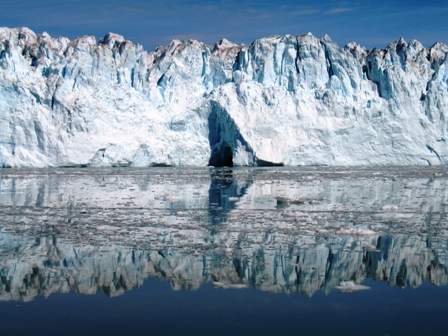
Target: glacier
{"points": [[281, 100]]}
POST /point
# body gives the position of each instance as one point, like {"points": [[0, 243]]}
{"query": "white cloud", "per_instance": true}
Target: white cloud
{"points": [[339, 10]]}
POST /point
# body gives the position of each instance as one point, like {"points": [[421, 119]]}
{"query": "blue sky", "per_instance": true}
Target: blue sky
{"points": [[153, 23]]}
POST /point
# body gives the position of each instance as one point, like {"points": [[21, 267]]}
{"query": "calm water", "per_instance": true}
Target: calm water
{"points": [[340, 251]]}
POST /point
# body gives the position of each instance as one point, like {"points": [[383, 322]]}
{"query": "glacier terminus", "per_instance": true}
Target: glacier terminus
{"points": [[281, 100]]}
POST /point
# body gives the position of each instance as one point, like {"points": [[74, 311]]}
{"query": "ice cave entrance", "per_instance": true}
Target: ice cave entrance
{"points": [[221, 156]]}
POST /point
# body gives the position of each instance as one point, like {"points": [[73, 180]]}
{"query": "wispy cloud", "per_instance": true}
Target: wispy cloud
{"points": [[339, 10], [308, 11], [136, 9]]}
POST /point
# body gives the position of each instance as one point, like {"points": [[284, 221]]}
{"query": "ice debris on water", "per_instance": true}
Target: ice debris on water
{"points": [[389, 207], [68, 226], [107, 228], [350, 286], [356, 232], [225, 285]]}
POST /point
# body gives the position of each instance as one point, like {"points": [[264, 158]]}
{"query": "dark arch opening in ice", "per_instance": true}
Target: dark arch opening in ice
{"points": [[221, 155], [221, 152]]}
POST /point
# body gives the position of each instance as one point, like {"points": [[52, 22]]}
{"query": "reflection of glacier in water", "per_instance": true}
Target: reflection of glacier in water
{"points": [[279, 230]]}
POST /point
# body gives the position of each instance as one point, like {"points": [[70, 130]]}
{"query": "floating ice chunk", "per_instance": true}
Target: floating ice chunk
{"points": [[356, 232], [322, 231], [392, 216], [389, 207], [237, 286], [350, 286], [117, 238], [218, 284], [107, 228]]}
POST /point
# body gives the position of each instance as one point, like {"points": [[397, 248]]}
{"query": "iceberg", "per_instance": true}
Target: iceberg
{"points": [[281, 100], [350, 286]]}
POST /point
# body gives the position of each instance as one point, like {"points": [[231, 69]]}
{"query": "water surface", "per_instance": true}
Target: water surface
{"points": [[314, 250]]}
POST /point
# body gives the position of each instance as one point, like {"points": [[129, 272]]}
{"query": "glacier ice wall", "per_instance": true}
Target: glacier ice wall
{"points": [[280, 100]]}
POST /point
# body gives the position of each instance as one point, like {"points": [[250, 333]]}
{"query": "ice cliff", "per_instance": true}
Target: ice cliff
{"points": [[280, 100]]}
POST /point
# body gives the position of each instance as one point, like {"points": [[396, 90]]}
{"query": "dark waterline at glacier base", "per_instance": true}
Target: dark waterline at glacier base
{"points": [[137, 239]]}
